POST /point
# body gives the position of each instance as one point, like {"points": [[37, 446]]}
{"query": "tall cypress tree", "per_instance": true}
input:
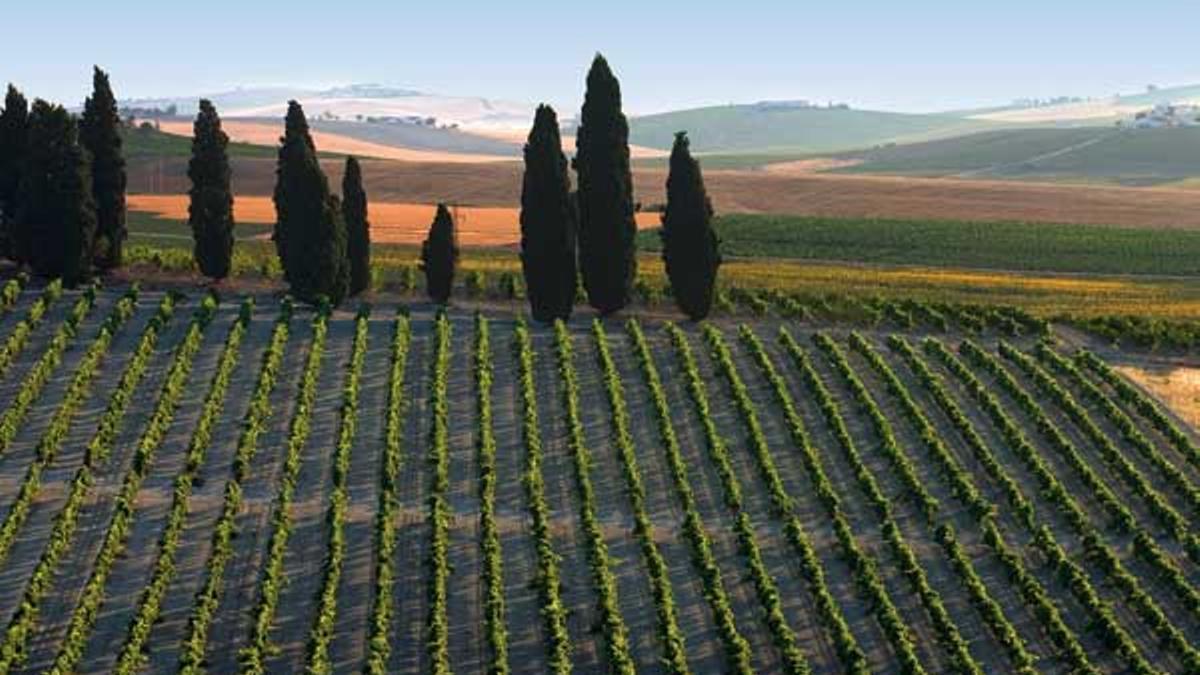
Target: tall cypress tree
{"points": [[210, 212], [100, 132], [439, 256], [606, 222], [14, 142], [56, 211], [358, 229], [690, 246], [547, 222], [310, 233]]}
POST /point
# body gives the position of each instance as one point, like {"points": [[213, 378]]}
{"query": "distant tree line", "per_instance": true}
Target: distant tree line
{"points": [[62, 206]]}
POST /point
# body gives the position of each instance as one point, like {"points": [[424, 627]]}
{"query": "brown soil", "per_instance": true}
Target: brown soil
{"points": [[499, 184]]}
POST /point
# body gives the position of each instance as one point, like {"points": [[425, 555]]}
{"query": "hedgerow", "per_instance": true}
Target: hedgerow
{"points": [[438, 622], [489, 539]]}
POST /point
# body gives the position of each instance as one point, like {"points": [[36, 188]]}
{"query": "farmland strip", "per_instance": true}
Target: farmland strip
{"points": [[322, 630], [765, 585], [438, 623], [92, 598], [616, 634], [668, 626], [39, 376], [204, 608], [1097, 551], [1145, 406], [131, 657], [1018, 653], [493, 560], [1125, 425], [270, 583], [1102, 610], [19, 336], [1167, 516], [379, 648], [79, 388], [547, 578], [737, 650]]}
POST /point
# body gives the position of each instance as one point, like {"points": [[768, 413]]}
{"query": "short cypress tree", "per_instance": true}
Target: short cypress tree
{"points": [[439, 256], [14, 142], [310, 233], [358, 229], [547, 222], [691, 249], [606, 223], [56, 210], [100, 132], [210, 212]]}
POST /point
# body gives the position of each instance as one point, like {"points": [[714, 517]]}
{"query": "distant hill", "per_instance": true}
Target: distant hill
{"points": [[349, 103], [1096, 110], [1091, 154], [757, 128]]}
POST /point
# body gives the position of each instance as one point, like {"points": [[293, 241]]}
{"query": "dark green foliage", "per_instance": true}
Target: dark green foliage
{"points": [[14, 132], [100, 133], [690, 246], [358, 229], [439, 256], [56, 212], [310, 234], [606, 225], [547, 222], [210, 212]]}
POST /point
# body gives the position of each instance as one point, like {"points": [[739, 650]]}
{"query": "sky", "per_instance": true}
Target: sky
{"points": [[915, 55]]}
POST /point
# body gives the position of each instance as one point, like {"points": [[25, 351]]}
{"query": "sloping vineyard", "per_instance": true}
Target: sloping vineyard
{"points": [[944, 493]]}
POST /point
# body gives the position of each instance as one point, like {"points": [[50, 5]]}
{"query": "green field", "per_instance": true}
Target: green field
{"points": [[1089, 154], [1035, 247], [747, 129]]}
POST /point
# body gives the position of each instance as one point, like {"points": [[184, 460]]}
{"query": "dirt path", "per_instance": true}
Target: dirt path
{"points": [[468, 644], [693, 613], [527, 642], [566, 532], [307, 547], [356, 591]]}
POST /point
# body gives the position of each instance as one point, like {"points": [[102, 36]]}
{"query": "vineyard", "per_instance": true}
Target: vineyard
{"points": [[247, 485]]}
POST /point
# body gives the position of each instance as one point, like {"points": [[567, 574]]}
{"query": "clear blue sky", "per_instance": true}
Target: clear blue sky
{"points": [[916, 55]]}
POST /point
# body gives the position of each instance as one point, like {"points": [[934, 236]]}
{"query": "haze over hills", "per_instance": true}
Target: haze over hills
{"points": [[1070, 139]]}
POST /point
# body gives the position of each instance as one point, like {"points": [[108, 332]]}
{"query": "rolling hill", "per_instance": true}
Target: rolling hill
{"points": [[759, 128], [1091, 154]]}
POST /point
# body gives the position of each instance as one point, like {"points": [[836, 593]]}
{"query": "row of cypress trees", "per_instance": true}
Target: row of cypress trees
{"points": [[595, 225], [62, 184], [323, 241]]}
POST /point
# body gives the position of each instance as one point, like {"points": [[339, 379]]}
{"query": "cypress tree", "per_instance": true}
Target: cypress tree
{"points": [[310, 233], [100, 132], [14, 137], [358, 229], [210, 212], [690, 246], [56, 210], [439, 256], [547, 222], [606, 223]]}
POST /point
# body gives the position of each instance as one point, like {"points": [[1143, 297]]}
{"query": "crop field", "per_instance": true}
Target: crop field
{"points": [[191, 486]]}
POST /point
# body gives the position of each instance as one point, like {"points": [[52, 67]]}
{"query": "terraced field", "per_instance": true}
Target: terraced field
{"points": [[193, 486]]}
